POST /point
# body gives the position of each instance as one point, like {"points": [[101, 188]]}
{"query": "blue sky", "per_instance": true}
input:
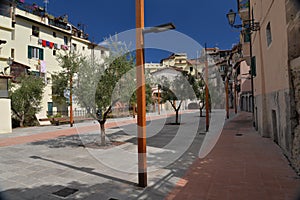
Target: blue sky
{"points": [[203, 21]]}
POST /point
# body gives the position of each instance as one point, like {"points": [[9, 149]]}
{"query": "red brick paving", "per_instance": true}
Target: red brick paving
{"points": [[240, 168]]}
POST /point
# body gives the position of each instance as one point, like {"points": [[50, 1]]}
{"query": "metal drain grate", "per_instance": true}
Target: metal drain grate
{"points": [[238, 134], [65, 192]]}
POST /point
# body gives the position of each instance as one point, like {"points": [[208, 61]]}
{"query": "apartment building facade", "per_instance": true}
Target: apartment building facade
{"points": [[34, 38], [275, 61]]}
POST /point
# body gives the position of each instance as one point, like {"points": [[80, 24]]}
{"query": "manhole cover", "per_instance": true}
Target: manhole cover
{"points": [[65, 192], [238, 134]]}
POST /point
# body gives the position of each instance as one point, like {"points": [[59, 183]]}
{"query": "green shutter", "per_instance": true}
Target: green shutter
{"points": [[253, 66], [29, 52], [41, 52], [247, 36]]}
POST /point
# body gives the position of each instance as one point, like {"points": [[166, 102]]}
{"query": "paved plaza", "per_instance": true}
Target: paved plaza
{"points": [[59, 162]]}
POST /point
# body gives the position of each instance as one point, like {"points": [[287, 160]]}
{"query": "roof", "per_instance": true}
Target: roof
{"points": [[168, 68], [173, 55], [20, 64], [5, 76]]}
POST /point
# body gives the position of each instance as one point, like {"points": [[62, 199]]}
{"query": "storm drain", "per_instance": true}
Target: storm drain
{"points": [[112, 199], [65, 192], [238, 134]]}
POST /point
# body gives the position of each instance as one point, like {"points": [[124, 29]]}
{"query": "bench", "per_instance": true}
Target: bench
{"points": [[62, 120]]}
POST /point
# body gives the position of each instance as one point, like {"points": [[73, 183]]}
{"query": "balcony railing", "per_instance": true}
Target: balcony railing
{"points": [[59, 24], [31, 8]]}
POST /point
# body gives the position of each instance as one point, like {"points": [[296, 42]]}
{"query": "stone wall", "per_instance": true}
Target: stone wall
{"points": [[274, 119], [293, 32], [295, 83]]}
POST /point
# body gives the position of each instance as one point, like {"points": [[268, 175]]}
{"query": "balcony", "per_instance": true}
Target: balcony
{"points": [[31, 8], [243, 8], [5, 22], [59, 23]]}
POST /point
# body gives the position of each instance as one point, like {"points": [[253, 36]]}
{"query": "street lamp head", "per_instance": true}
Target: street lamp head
{"points": [[231, 17], [160, 28]]}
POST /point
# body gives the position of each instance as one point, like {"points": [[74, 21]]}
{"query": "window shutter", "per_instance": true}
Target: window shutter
{"points": [[253, 66], [29, 52], [41, 52]]}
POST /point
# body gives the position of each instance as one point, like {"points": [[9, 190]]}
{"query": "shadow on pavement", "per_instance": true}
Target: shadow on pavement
{"points": [[82, 191], [86, 170], [160, 139]]}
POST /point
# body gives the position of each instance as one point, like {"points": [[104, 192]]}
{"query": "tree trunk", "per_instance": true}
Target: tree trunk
{"points": [[177, 116], [133, 110], [22, 121], [102, 130]]}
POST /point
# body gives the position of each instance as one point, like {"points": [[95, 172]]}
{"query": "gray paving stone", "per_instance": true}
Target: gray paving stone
{"points": [[38, 170], [8, 175]]}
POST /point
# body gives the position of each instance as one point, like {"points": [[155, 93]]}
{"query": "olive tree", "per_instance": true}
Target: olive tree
{"points": [[26, 97]]}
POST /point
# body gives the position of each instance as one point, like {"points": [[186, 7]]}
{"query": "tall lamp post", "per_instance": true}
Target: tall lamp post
{"points": [[227, 96], [250, 26], [141, 88], [207, 108], [158, 98]]}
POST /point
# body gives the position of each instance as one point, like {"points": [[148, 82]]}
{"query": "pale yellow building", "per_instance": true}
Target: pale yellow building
{"points": [[33, 40], [152, 67], [178, 60]]}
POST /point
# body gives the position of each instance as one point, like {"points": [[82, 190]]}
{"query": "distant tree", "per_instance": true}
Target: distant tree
{"points": [[149, 99], [26, 98], [199, 89], [176, 90]]}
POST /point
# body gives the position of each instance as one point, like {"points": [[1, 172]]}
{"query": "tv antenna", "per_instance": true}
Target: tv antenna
{"points": [[46, 2]]}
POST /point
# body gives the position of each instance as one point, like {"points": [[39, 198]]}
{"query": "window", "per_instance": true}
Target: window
{"points": [[74, 47], [269, 34], [66, 40], [13, 35], [12, 53], [54, 52], [222, 68], [35, 31], [35, 53], [83, 48], [54, 34]]}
